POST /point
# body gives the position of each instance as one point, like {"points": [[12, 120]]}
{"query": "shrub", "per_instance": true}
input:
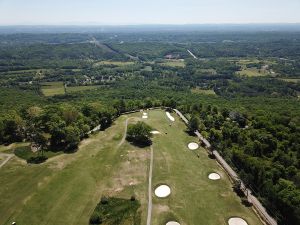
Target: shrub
{"points": [[104, 200], [37, 159], [95, 219]]}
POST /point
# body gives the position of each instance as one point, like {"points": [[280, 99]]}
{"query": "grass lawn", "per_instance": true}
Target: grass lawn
{"points": [[67, 188], [202, 91], [173, 63], [53, 88], [81, 88]]}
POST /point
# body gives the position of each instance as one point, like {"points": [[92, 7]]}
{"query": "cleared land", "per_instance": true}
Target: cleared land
{"points": [[173, 63], [114, 63], [53, 88], [67, 188], [253, 72]]}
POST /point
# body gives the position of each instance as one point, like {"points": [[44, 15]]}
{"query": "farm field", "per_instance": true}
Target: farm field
{"points": [[105, 165]]}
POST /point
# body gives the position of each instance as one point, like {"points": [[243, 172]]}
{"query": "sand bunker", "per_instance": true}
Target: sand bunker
{"points": [[145, 115], [193, 146], [162, 191], [214, 176], [237, 221], [155, 132], [172, 223], [170, 117]]}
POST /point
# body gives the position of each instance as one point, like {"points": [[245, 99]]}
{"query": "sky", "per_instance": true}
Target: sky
{"points": [[138, 12]]}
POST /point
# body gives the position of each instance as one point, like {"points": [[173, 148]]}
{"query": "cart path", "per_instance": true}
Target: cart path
{"points": [[8, 157], [150, 188], [125, 133]]}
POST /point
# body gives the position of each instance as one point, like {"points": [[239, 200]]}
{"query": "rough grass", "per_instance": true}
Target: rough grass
{"points": [[52, 88]]}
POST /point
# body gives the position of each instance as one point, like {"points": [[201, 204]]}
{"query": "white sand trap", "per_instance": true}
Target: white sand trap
{"points": [[237, 221], [145, 117], [170, 117], [172, 223], [162, 191], [193, 146], [155, 132], [214, 176], [145, 114]]}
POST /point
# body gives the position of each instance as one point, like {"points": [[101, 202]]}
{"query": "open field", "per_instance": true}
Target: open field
{"points": [[114, 63], [253, 72], [203, 91], [67, 188], [53, 88], [173, 63]]}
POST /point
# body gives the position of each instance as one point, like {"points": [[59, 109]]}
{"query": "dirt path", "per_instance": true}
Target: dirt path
{"points": [[8, 157], [125, 132], [150, 189]]}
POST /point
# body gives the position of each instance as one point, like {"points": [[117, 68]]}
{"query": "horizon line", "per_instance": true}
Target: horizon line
{"points": [[153, 24]]}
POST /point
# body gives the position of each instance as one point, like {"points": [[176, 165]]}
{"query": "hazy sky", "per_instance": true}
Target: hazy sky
{"points": [[119, 12]]}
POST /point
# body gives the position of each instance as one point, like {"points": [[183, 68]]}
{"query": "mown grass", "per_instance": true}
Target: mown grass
{"points": [[53, 88], [194, 198], [67, 188]]}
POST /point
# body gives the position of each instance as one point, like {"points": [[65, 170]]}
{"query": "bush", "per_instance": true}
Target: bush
{"points": [[104, 200], [37, 159], [95, 219]]}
